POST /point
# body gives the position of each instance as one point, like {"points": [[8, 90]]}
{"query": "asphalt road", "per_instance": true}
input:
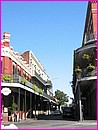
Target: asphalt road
{"points": [[55, 122]]}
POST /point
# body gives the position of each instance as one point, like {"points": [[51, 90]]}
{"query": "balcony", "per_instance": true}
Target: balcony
{"points": [[48, 83], [35, 74], [18, 79], [88, 73], [90, 38], [84, 58], [85, 73]]}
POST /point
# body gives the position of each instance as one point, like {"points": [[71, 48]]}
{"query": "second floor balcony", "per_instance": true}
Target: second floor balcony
{"points": [[85, 61], [18, 79], [86, 72], [38, 76], [90, 38]]}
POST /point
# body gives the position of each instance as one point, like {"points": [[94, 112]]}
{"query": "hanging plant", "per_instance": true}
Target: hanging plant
{"points": [[7, 78], [40, 91], [23, 80], [78, 70], [86, 56], [91, 67], [35, 88]]}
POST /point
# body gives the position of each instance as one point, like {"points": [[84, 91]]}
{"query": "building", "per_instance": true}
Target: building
{"points": [[84, 68], [24, 83]]}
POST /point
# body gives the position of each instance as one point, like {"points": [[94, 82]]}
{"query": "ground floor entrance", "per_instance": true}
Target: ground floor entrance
{"points": [[22, 103]]}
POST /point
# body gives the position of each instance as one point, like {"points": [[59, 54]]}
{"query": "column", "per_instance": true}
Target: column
{"points": [[25, 105], [80, 105], [18, 103], [23, 114], [35, 106], [30, 105]]}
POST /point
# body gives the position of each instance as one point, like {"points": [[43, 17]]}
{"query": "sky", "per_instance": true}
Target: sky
{"points": [[51, 30]]}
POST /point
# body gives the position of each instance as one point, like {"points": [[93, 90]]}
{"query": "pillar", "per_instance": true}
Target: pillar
{"points": [[19, 102], [80, 105], [25, 105], [31, 105]]}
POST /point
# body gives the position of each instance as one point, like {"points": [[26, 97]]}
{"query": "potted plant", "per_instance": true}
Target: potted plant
{"points": [[90, 67], [13, 109], [7, 78], [78, 71], [35, 88], [86, 56], [23, 80], [40, 91]]}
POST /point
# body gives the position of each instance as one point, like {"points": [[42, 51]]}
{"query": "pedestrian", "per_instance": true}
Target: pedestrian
{"points": [[12, 116], [15, 117]]}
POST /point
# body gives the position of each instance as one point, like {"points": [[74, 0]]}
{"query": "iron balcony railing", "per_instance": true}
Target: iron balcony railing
{"points": [[85, 73], [88, 73], [90, 37], [49, 83], [18, 79], [35, 74], [46, 83]]}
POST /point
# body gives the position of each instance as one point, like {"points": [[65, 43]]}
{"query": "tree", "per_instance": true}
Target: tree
{"points": [[61, 97]]}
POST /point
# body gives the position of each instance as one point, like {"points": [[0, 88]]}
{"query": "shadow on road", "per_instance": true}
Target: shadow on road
{"points": [[55, 117]]}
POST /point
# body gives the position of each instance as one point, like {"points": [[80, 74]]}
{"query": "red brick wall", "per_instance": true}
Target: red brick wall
{"points": [[6, 44], [94, 16], [26, 56], [7, 66]]}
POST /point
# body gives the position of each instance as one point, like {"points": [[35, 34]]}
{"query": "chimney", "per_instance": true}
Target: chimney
{"points": [[6, 39]]}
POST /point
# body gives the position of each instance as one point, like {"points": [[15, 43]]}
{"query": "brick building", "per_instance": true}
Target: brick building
{"points": [[84, 70], [29, 85]]}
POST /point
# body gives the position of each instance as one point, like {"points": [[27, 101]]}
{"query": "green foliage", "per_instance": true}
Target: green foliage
{"points": [[86, 56], [7, 78], [77, 70], [40, 91], [91, 67], [13, 107], [35, 88], [23, 80], [61, 97]]}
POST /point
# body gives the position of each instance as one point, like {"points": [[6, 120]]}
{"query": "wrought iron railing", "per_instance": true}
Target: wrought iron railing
{"points": [[90, 37], [18, 79], [88, 73], [35, 74]]}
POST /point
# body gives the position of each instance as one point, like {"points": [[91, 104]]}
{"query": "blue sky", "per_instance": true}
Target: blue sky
{"points": [[52, 30]]}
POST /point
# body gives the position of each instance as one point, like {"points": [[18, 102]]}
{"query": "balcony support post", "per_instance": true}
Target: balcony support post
{"points": [[80, 105], [30, 105], [19, 102], [25, 105]]}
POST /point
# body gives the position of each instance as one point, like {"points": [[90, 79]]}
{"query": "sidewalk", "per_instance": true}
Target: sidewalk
{"points": [[33, 120], [21, 121]]}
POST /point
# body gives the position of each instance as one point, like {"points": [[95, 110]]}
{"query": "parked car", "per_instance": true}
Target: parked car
{"points": [[57, 112], [68, 112]]}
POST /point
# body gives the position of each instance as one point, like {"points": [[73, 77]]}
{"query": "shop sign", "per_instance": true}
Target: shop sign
{"points": [[6, 91]]}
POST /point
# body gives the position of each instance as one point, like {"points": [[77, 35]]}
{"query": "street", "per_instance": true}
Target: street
{"points": [[55, 122]]}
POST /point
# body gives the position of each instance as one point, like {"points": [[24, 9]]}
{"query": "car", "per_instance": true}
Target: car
{"points": [[68, 112], [57, 112]]}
